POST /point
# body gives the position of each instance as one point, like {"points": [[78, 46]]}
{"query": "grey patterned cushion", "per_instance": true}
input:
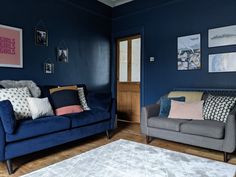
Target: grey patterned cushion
{"points": [[83, 99], [18, 98], [218, 107]]}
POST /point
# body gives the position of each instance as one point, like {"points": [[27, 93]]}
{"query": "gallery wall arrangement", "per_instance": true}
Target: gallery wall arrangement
{"points": [[162, 24], [85, 23]]}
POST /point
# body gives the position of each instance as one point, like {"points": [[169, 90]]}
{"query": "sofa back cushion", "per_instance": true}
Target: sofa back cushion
{"points": [[186, 110], [165, 105], [65, 100], [218, 107], [190, 96]]}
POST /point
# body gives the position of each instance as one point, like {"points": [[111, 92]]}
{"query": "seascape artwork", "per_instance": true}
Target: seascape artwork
{"points": [[222, 36], [189, 52], [225, 62]]}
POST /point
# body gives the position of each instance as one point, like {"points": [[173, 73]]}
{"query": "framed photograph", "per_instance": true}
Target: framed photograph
{"points": [[48, 68], [41, 37], [189, 52], [222, 36], [224, 62], [62, 55], [11, 47]]}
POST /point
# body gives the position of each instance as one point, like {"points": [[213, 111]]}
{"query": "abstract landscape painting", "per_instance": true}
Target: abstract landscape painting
{"points": [[189, 52], [222, 36], [225, 62]]}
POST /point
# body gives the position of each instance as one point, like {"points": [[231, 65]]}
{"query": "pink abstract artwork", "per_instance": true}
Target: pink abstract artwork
{"points": [[11, 47]]}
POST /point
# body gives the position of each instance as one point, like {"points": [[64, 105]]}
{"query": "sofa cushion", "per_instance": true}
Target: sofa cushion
{"points": [[32, 128], [66, 100], [190, 96], [99, 100], [168, 124], [218, 107], [207, 128], [88, 117], [165, 105]]}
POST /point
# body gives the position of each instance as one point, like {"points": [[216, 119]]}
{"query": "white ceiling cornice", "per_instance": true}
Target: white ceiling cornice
{"points": [[114, 3]]}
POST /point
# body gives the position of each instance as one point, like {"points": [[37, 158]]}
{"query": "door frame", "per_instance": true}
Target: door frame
{"points": [[122, 34]]}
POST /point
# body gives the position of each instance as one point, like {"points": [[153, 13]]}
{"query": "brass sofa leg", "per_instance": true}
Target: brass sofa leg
{"points": [[9, 167]]}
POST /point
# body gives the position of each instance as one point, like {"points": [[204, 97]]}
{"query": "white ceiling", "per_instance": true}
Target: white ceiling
{"points": [[114, 3]]}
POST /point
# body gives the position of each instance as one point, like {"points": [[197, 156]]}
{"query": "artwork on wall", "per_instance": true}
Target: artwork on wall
{"points": [[189, 52], [62, 55], [222, 36], [224, 62], [48, 68], [11, 47], [41, 37]]}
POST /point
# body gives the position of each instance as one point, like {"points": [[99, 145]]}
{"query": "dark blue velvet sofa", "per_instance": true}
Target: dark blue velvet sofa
{"points": [[46, 132]]}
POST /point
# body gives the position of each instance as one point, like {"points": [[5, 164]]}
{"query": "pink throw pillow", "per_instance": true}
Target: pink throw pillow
{"points": [[186, 110]]}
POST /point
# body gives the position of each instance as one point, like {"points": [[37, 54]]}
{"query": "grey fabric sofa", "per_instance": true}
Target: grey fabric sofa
{"points": [[203, 133]]}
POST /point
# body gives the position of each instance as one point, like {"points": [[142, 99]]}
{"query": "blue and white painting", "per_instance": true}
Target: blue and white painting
{"points": [[225, 62], [222, 36], [189, 52]]}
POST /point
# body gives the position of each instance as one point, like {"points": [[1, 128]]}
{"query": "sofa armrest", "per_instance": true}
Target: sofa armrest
{"points": [[230, 132], [146, 113], [2, 142]]}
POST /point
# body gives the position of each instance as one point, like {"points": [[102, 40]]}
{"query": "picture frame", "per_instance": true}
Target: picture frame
{"points": [[62, 55], [189, 52], [11, 47], [48, 68], [222, 62], [41, 37], [223, 36]]}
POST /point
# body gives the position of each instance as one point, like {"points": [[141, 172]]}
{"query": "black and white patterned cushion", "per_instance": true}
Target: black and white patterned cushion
{"points": [[18, 98], [83, 99], [218, 107]]}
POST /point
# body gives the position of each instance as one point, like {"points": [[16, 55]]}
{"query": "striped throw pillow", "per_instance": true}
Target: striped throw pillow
{"points": [[65, 100]]}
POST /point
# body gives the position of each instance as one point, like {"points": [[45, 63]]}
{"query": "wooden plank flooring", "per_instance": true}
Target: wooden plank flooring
{"points": [[127, 131]]}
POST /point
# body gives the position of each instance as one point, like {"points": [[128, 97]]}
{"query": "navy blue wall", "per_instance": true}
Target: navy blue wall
{"points": [[162, 22], [84, 25]]}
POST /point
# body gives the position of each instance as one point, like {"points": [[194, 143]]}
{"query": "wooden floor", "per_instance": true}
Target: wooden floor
{"points": [[127, 131]]}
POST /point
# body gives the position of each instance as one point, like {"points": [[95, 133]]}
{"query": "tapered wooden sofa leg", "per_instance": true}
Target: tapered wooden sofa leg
{"points": [[226, 157], [148, 139], [9, 167], [108, 134]]}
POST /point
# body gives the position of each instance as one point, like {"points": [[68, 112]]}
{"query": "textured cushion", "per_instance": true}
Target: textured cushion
{"points": [[83, 99], [65, 100], [32, 128], [188, 110], [207, 128], [218, 107], [18, 98], [40, 107], [88, 117], [190, 96], [33, 88], [168, 124], [7, 116], [165, 104], [99, 101]]}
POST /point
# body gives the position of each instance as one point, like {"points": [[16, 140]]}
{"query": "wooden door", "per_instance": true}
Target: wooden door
{"points": [[128, 78]]}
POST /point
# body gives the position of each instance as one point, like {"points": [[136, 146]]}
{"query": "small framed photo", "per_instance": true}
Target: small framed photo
{"points": [[41, 37], [48, 68], [62, 55]]}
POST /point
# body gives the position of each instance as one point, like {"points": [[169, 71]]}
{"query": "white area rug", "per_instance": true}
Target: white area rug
{"points": [[124, 158]]}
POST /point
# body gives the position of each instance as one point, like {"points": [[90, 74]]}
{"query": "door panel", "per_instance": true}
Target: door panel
{"points": [[128, 80]]}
